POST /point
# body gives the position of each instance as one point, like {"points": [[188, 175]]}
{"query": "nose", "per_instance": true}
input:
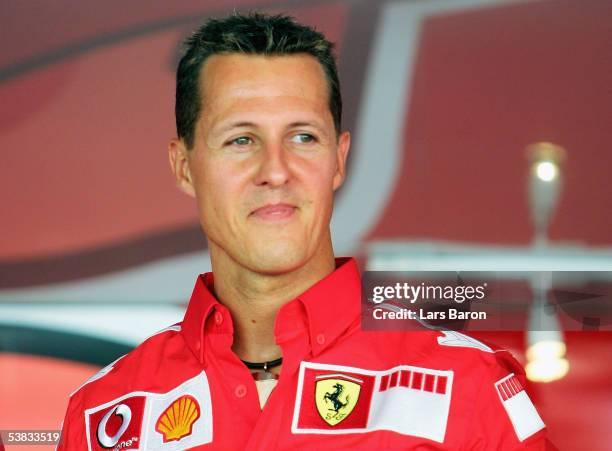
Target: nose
{"points": [[273, 168]]}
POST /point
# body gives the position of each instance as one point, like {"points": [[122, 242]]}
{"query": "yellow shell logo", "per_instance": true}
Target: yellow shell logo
{"points": [[177, 420]]}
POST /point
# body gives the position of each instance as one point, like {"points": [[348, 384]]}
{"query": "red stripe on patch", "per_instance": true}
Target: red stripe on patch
{"points": [[512, 387], [417, 380], [429, 382], [508, 388], [405, 378], [441, 385], [384, 382], [517, 384], [393, 381]]}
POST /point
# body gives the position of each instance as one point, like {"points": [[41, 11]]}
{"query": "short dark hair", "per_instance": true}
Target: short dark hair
{"points": [[252, 33]]}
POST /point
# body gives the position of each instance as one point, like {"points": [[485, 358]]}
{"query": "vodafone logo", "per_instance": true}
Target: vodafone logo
{"points": [[126, 416], [116, 425]]}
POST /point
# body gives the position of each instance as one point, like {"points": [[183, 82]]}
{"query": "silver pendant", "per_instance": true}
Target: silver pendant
{"points": [[264, 375]]}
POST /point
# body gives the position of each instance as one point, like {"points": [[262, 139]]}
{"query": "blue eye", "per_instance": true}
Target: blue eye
{"points": [[303, 138], [241, 141]]}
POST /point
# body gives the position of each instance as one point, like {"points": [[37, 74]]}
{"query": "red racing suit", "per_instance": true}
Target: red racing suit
{"points": [[339, 388]]}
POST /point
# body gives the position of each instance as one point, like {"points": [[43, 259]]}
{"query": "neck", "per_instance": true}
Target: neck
{"points": [[254, 299]]}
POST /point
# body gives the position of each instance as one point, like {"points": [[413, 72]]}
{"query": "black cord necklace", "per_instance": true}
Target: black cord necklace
{"points": [[263, 365]]}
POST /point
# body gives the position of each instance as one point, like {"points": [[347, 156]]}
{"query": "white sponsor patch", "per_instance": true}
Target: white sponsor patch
{"points": [[177, 420], [405, 399], [521, 411]]}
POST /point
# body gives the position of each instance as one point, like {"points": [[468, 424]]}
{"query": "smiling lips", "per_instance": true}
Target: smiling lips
{"points": [[274, 212]]}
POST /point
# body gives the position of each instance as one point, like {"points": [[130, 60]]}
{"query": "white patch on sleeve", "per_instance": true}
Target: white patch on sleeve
{"points": [[521, 411], [453, 338]]}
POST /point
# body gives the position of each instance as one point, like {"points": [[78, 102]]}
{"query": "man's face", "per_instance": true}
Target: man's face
{"points": [[265, 161]]}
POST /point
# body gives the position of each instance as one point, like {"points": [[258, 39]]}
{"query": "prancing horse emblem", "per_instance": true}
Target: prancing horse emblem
{"points": [[336, 396], [333, 397]]}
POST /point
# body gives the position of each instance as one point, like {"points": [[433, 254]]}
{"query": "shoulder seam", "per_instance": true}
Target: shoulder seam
{"points": [[108, 368], [457, 339]]}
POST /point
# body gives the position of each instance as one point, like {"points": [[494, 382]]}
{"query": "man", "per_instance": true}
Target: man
{"points": [[259, 147]]}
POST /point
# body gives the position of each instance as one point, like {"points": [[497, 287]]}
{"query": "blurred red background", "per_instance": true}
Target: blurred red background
{"points": [[88, 90]]}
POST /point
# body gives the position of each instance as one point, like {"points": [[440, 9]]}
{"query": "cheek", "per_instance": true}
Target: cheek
{"points": [[319, 180], [218, 189]]}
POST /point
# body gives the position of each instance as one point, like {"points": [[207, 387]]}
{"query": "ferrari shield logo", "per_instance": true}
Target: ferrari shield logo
{"points": [[336, 396]]}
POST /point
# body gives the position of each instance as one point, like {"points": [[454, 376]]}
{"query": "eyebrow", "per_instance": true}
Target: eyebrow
{"points": [[304, 124], [235, 125], [252, 124]]}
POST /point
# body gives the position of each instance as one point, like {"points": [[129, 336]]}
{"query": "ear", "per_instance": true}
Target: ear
{"points": [[179, 164], [344, 143]]}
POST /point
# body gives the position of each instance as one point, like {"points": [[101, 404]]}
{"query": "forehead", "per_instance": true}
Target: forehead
{"points": [[239, 79]]}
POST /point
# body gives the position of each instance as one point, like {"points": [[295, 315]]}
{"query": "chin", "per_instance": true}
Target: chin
{"points": [[278, 258]]}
